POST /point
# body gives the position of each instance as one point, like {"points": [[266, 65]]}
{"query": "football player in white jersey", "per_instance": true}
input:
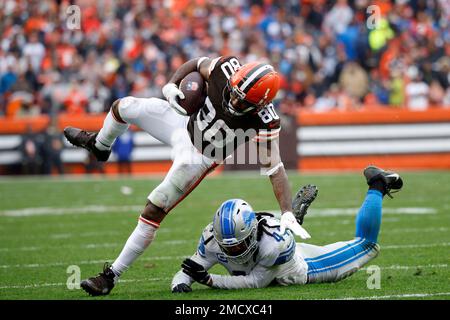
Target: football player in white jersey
{"points": [[237, 109], [255, 253]]}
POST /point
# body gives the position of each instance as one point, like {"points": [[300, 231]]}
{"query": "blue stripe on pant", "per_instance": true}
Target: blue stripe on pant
{"points": [[352, 256], [336, 261]]}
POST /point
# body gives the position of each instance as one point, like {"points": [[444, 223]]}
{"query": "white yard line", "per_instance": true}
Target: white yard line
{"points": [[53, 211], [178, 242], [60, 284], [89, 246], [334, 212], [66, 264], [414, 246], [398, 267], [406, 295], [100, 209], [43, 285], [397, 231], [68, 235]]}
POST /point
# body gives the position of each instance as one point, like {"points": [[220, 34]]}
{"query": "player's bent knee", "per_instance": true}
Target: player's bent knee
{"points": [[115, 111], [153, 213], [166, 194], [128, 107]]}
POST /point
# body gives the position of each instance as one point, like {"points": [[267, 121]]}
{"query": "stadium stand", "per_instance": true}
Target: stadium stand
{"points": [[329, 57]]}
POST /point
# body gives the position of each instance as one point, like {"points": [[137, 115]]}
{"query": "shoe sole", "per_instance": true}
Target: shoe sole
{"points": [[307, 194], [94, 293]]}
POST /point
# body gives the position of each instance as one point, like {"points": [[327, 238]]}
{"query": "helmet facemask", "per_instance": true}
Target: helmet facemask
{"points": [[240, 252], [235, 230], [251, 87], [243, 106]]}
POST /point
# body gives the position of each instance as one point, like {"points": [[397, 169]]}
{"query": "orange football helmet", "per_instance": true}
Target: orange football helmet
{"points": [[254, 84]]}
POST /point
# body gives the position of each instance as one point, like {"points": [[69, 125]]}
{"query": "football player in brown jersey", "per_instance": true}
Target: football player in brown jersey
{"points": [[238, 108]]}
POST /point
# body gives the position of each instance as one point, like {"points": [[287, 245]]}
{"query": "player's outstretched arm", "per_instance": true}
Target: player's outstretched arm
{"points": [[259, 277], [272, 166], [269, 154]]}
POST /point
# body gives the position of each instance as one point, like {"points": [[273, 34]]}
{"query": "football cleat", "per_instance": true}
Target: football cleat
{"points": [[86, 140], [392, 181], [303, 199], [100, 285]]}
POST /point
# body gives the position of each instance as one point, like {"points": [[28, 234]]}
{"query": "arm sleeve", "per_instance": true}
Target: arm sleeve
{"points": [[259, 277]]}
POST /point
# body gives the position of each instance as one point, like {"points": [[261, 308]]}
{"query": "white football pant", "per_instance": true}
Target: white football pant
{"points": [[338, 260], [189, 166]]}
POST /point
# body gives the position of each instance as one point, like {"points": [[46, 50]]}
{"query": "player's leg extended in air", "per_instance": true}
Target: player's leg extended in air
{"points": [[189, 167], [338, 260]]}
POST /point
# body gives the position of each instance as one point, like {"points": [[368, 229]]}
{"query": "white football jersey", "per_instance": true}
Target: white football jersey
{"points": [[275, 260]]}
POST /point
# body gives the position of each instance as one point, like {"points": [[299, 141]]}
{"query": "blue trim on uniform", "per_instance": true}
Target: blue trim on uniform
{"points": [[286, 255], [201, 247], [342, 259], [227, 220], [346, 247]]}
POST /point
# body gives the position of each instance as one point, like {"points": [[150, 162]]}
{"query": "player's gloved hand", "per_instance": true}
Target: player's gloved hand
{"points": [[171, 92], [181, 287], [288, 221], [196, 272]]}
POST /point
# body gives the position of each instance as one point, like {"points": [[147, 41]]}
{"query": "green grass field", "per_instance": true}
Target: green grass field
{"points": [[47, 225]]}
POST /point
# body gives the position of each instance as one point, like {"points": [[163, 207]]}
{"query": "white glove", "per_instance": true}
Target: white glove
{"points": [[288, 221], [171, 92]]}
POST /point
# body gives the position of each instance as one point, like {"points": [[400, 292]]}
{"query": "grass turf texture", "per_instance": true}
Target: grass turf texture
{"points": [[36, 250]]}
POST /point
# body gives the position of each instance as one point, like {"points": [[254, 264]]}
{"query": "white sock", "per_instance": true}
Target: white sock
{"points": [[110, 131], [138, 241]]}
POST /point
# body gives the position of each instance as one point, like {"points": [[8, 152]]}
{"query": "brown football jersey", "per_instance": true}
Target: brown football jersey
{"points": [[215, 131]]}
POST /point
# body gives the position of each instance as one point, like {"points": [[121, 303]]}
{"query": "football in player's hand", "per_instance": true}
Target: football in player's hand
{"points": [[194, 89]]}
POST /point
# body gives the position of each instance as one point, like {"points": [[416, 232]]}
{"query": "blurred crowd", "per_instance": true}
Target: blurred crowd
{"points": [[331, 54]]}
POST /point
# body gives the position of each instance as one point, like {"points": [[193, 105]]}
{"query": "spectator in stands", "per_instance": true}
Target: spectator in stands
{"points": [[131, 47], [354, 80], [52, 150], [31, 158], [417, 91], [123, 148]]}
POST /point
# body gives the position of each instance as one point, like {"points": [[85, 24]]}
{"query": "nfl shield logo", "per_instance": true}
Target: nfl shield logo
{"points": [[192, 86]]}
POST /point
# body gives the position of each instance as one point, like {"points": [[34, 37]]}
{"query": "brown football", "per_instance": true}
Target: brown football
{"points": [[194, 89]]}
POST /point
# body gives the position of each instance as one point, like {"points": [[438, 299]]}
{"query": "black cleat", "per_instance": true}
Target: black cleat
{"points": [[392, 181], [303, 199], [86, 140], [100, 285]]}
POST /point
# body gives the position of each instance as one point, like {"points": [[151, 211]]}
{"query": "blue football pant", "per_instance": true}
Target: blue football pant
{"points": [[338, 260]]}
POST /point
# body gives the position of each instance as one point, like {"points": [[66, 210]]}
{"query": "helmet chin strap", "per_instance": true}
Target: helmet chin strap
{"points": [[234, 112]]}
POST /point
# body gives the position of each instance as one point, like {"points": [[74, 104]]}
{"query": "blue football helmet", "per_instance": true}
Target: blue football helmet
{"points": [[235, 230]]}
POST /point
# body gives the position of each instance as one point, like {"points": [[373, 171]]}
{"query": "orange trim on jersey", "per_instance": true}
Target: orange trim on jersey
{"points": [[214, 165], [149, 222]]}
